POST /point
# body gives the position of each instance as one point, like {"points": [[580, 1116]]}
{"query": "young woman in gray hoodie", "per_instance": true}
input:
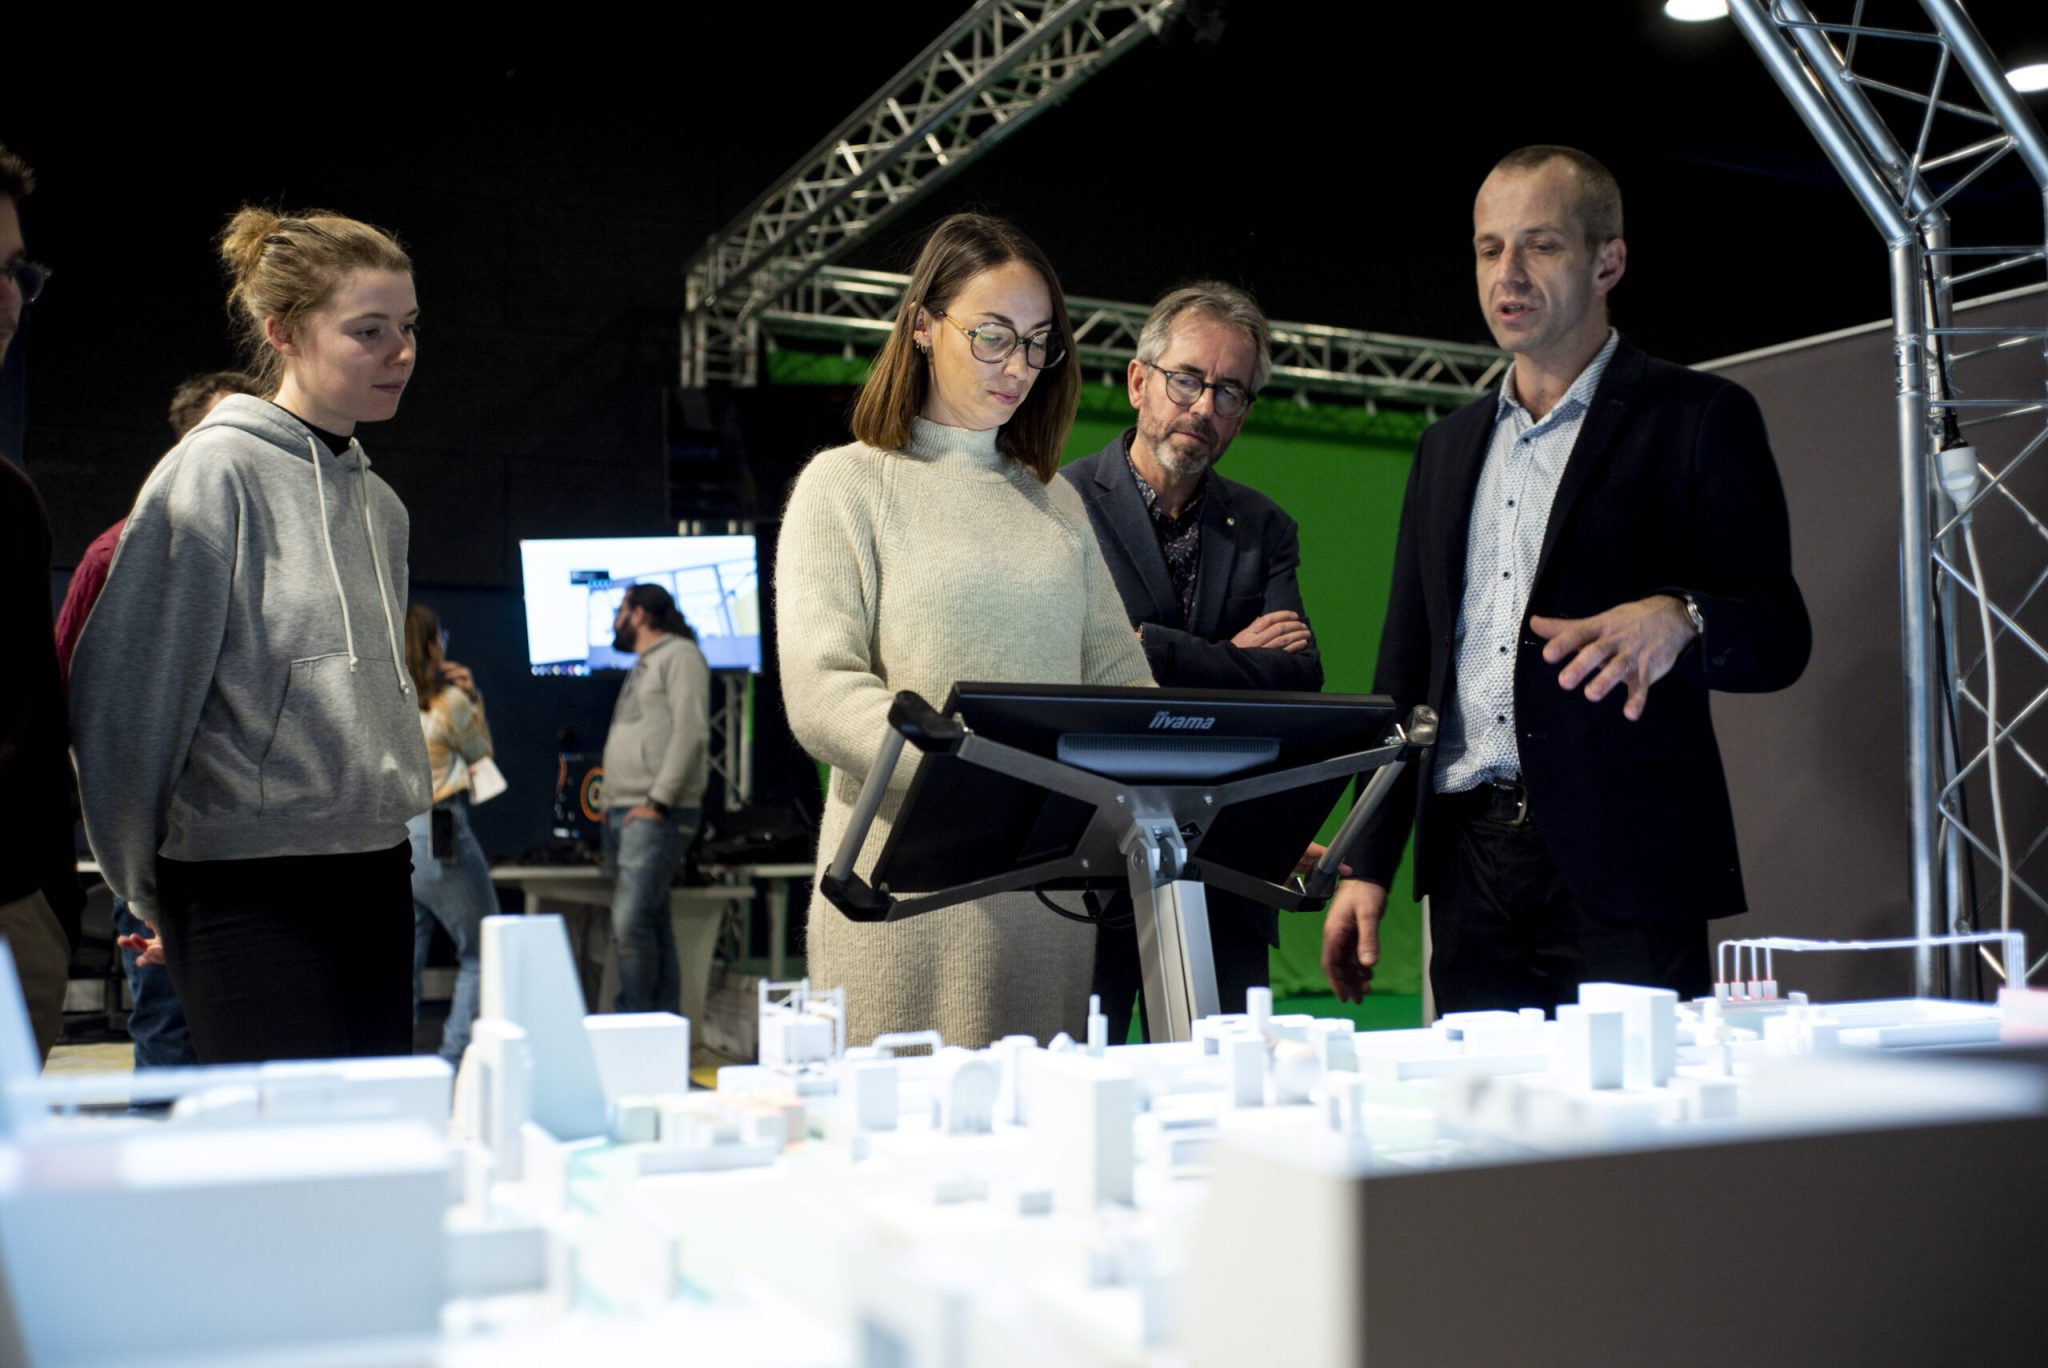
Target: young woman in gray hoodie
{"points": [[247, 737]]}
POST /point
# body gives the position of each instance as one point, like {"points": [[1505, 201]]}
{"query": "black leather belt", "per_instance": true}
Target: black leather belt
{"points": [[1505, 801]]}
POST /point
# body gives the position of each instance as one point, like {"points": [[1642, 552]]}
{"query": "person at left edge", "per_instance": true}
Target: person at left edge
{"points": [[40, 899], [1206, 569], [251, 803], [657, 760]]}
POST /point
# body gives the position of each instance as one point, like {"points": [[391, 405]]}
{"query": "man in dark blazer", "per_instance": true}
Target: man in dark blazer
{"points": [[1206, 567], [1582, 557]]}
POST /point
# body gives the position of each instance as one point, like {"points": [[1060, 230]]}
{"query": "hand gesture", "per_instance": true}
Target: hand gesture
{"points": [[459, 676], [1635, 644]]}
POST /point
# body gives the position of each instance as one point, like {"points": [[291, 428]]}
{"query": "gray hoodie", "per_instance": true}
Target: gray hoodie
{"points": [[240, 690]]}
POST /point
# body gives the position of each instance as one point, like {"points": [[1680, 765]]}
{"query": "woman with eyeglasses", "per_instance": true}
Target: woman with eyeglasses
{"points": [[935, 548], [248, 740]]}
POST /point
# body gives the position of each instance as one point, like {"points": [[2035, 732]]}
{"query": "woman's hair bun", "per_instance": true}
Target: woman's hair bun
{"points": [[241, 242]]}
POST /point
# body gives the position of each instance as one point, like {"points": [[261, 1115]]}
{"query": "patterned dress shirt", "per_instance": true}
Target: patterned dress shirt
{"points": [[1510, 512], [1180, 538]]}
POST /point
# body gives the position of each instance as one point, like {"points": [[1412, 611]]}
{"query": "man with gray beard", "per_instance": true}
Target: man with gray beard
{"points": [[1206, 567]]}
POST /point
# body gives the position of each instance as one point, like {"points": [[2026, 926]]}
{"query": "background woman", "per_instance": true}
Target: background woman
{"points": [[451, 881], [247, 737], [938, 547]]}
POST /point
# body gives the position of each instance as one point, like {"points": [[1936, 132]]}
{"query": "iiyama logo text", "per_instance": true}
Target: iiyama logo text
{"points": [[1166, 721]]}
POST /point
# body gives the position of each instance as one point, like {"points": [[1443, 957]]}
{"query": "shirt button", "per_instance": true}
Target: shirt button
{"points": [[1511, 503], [1500, 717], [1503, 650], [1505, 574]]}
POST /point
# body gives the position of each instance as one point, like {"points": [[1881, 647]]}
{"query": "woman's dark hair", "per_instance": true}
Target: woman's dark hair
{"points": [[959, 249], [661, 610], [422, 639]]}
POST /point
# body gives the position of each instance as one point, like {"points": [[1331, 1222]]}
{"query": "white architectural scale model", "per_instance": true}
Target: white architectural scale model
{"points": [[1639, 1181]]}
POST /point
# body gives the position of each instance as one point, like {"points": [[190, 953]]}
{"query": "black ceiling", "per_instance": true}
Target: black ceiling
{"points": [[1324, 154]]}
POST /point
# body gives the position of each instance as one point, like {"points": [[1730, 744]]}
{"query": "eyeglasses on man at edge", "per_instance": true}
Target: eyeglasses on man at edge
{"points": [[994, 342], [1186, 390], [28, 277]]}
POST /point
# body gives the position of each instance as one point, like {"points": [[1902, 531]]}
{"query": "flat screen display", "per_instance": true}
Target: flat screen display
{"points": [[573, 586], [964, 823]]}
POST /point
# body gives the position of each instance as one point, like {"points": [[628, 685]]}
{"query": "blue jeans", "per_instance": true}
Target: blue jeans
{"points": [[457, 894], [642, 856], [156, 1021]]}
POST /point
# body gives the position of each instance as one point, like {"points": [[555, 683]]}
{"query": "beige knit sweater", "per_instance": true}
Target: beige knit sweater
{"points": [[913, 570]]}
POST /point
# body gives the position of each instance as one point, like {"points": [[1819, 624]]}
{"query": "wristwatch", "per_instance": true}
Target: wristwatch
{"points": [[1692, 610]]}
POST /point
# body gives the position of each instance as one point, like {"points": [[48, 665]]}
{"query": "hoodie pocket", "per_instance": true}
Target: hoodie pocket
{"points": [[347, 747]]}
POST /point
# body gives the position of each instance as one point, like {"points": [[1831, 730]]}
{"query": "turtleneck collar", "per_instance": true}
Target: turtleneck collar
{"points": [[960, 447]]}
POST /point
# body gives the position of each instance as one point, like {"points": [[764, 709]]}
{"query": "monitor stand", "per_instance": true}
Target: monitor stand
{"points": [[1136, 825]]}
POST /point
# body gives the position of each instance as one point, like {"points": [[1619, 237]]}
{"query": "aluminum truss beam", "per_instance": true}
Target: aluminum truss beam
{"points": [[730, 748], [1912, 110], [854, 308], [998, 66]]}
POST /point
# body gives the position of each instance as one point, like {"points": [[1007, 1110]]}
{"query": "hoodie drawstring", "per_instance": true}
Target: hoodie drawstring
{"points": [[377, 563], [348, 630]]}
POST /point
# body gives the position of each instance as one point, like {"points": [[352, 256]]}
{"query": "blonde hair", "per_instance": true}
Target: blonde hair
{"points": [[959, 249], [284, 266]]}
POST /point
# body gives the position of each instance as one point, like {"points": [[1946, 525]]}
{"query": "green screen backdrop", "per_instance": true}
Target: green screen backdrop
{"points": [[1340, 472]]}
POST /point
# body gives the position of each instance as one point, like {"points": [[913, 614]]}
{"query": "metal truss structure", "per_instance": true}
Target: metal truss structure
{"points": [[853, 309], [730, 751], [990, 73], [1916, 114]]}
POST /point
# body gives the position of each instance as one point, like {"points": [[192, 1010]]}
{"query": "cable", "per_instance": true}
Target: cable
{"points": [[1991, 737], [1967, 913], [1086, 919], [1958, 469]]}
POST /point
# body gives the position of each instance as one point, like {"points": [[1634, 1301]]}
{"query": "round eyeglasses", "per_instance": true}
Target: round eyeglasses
{"points": [[995, 342], [1185, 389], [28, 278]]}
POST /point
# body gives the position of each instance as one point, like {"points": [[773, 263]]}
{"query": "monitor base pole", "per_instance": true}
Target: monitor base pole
{"points": [[1172, 922]]}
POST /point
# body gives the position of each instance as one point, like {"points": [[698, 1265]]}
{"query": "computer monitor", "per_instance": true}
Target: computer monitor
{"points": [[573, 587], [994, 823]]}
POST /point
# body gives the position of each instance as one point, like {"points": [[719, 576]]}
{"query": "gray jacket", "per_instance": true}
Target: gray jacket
{"points": [[240, 691], [658, 746]]}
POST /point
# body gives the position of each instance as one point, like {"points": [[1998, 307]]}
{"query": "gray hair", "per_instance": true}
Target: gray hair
{"points": [[1213, 299]]}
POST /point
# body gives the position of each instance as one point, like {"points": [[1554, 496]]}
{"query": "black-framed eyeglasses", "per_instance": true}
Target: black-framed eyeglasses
{"points": [[1186, 389], [994, 342], [28, 277]]}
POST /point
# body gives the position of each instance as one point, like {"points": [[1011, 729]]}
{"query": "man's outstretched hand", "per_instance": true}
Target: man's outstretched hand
{"points": [[1634, 645]]}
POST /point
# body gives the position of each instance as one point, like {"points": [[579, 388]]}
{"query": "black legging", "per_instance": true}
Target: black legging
{"points": [[291, 957]]}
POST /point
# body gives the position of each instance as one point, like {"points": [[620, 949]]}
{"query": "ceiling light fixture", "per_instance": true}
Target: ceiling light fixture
{"points": [[2029, 79], [1695, 11]]}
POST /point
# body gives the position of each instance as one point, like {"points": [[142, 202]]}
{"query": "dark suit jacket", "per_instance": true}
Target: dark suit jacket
{"points": [[1671, 488], [1250, 550]]}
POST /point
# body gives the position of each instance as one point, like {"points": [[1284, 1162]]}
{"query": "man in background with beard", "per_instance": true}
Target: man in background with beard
{"points": [[1206, 567], [656, 762]]}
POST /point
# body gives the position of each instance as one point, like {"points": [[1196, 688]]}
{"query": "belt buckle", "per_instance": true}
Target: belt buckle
{"points": [[1521, 791]]}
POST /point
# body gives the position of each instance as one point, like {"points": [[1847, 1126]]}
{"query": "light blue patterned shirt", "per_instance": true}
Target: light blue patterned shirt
{"points": [[1510, 512]]}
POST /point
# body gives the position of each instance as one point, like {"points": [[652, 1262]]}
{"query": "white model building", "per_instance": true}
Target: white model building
{"points": [[1613, 1186]]}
